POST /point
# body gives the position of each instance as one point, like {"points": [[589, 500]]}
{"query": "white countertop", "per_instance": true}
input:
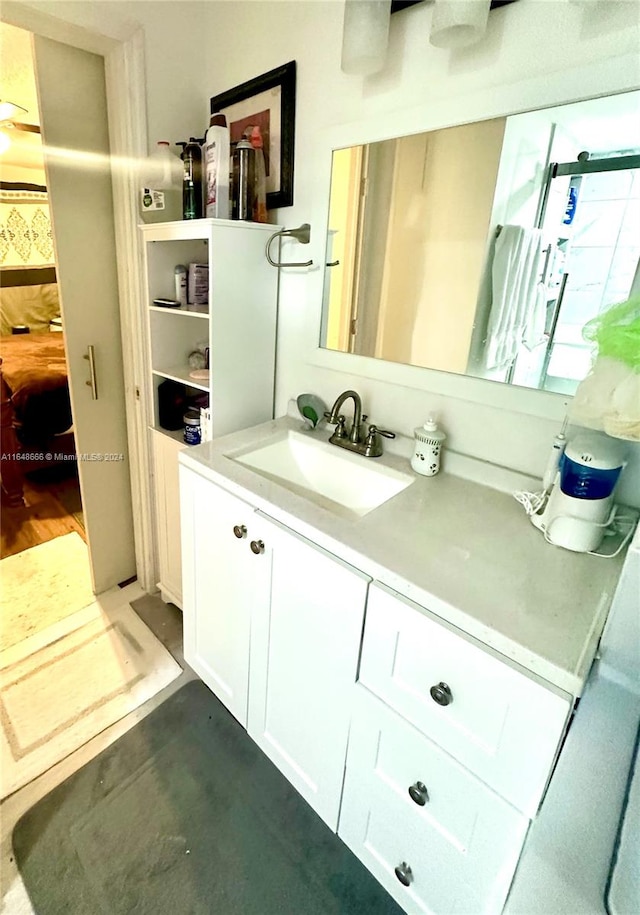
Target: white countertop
{"points": [[463, 550]]}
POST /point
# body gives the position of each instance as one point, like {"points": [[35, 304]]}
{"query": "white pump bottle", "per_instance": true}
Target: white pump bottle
{"points": [[427, 447]]}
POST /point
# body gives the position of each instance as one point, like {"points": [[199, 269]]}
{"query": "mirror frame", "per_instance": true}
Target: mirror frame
{"points": [[606, 77]]}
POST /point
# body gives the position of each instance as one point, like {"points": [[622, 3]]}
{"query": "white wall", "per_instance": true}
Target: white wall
{"points": [[520, 64], [175, 51], [527, 59]]}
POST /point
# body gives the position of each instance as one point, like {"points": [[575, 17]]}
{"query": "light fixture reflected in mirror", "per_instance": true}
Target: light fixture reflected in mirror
{"points": [[365, 36], [458, 23]]}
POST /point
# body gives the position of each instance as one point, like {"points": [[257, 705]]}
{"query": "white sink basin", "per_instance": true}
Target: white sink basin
{"points": [[348, 484]]}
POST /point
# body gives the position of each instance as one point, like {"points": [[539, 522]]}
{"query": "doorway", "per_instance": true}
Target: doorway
{"points": [[32, 339], [72, 100]]}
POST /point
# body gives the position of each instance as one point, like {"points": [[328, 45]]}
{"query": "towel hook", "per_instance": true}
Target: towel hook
{"points": [[302, 234]]}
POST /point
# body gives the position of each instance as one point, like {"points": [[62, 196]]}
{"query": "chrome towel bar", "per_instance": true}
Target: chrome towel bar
{"points": [[302, 234]]}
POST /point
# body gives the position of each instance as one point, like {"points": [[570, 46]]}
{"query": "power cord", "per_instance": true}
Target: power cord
{"points": [[532, 502], [615, 530]]}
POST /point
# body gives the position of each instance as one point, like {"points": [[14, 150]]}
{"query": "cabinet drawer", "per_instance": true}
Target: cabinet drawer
{"points": [[499, 723], [461, 841]]}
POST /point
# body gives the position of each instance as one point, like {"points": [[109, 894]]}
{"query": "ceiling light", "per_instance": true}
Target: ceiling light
{"points": [[10, 110], [365, 36]]}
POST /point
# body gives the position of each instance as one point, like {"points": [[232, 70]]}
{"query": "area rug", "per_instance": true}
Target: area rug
{"points": [[43, 585], [184, 815], [67, 683]]}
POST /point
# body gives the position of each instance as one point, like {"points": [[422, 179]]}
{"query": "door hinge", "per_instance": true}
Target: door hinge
{"points": [[137, 389], [353, 330]]}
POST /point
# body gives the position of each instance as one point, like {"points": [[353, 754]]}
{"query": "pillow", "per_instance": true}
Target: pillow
{"points": [[33, 306]]}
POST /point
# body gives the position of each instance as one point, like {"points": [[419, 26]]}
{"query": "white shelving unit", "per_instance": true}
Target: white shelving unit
{"points": [[238, 326]]}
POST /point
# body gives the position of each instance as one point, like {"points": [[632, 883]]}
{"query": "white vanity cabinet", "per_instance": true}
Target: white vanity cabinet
{"points": [[305, 645], [499, 723], [222, 581], [449, 754], [237, 326], [424, 731], [273, 624]]}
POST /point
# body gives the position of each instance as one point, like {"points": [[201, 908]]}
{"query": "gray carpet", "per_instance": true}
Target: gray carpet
{"points": [[184, 815]]}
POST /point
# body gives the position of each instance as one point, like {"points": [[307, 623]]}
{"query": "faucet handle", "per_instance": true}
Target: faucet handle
{"points": [[373, 445], [374, 429], [341, 429]]}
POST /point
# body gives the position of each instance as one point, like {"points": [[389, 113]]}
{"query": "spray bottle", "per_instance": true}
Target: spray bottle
{"points": [[192, 196], [216, 161], [244, 158]]}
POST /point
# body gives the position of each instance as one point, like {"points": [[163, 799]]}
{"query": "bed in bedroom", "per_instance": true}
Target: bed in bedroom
{"points": [[34, 391]]}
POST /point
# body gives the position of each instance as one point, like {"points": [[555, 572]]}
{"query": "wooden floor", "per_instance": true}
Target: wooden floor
{"points": [[51, 497]]}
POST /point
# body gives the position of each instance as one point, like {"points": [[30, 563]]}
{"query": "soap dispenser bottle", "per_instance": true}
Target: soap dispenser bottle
{"points": [[427, 448]]}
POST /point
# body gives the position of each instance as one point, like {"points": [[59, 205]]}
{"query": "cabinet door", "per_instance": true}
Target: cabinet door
{"points": [[437, 838], [499, 723], [167, 502], [304, 655], [221, 580]]}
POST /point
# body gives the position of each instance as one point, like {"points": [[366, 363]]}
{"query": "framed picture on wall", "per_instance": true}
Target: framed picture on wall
{"points": [[268, 101]]}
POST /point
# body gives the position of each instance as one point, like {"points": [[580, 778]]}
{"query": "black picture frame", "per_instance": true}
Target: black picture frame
{"points": [[281, 83], [398, 5]]}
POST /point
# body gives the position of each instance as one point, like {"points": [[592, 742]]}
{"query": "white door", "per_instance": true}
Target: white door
{"points": [[305, 643], [222, 579], [73, 116]]}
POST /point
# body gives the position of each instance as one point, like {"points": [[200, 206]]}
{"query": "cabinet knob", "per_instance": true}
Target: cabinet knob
{"points": [[240, 530], [419, 794], [404, 873], [441, 694], [257, 547]]}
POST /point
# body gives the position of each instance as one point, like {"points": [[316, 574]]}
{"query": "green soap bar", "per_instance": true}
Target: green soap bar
{"points": [[310, 414]]}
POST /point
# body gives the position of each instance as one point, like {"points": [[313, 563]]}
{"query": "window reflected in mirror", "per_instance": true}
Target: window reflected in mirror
{"points": [[484, 249]]}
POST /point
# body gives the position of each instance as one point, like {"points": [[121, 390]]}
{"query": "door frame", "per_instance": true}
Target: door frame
{"points": [[122, 47]]}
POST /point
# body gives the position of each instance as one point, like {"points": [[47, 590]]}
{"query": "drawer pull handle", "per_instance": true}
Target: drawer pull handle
{"points": [[240, 531], [419, 794], [441, 694], [257, 547], [404, 873]]}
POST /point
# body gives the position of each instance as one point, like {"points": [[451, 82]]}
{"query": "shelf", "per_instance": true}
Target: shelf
{"points": [[177, 435], [181, 373], [199, 228], [186, 311]]}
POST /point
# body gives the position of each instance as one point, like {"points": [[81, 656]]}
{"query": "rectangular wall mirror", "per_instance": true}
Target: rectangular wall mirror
{"points": [[484, 249]]}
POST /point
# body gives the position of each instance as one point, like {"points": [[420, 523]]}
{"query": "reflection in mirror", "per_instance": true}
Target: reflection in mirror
{"points": [[484, 249]]}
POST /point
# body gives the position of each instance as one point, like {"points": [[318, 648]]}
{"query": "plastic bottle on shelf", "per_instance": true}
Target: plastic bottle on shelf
{"points": [[192, 196], [180, 274], [427, 448], [216, 164], [260, 198], [244, 157], [161, 185]]}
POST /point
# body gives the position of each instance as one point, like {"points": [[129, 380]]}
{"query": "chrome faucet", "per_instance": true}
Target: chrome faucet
{"points": [[336, 419], [368, 445]]}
